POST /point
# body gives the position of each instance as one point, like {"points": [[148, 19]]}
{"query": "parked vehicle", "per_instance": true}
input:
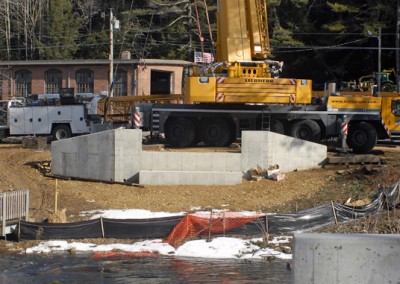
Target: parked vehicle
{"points": [[48, 115]]}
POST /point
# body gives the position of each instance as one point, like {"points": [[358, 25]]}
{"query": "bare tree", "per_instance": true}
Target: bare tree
{"points": [[86, 10], [5, 24], [20, 23], [398, 45]]}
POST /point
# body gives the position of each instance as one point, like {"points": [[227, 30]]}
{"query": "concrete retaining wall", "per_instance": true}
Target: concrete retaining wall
{"points": [[186, 161], [265, 148], [352, 258], [184, 168], [113, 155], [116, 155]]}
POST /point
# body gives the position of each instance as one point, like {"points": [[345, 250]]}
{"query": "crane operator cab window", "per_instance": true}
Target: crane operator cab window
{"points": [[396, 107]]}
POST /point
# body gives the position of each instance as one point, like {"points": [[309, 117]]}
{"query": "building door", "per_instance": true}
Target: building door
{"points": [[161, 82]]}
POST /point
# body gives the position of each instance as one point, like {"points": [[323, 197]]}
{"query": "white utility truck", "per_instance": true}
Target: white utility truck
{"points": [[48, 115]]}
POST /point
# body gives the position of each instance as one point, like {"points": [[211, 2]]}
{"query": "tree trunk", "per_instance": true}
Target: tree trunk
{"points": [[398, 46], [8, 30]]}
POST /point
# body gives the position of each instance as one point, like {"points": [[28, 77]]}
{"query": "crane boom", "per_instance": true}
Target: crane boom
{"points": [[242, 30]]}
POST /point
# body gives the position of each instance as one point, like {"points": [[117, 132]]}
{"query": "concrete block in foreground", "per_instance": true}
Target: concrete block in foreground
{"points": [[147, 177], [350, 258]]}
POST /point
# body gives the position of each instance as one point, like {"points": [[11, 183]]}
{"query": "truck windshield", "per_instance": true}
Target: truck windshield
{"points": [[396, 107]]}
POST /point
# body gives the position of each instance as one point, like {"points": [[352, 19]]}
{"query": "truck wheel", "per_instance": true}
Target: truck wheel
{"points": [[216, 132], [306, 130], [362, 137], [386, 87], [277, 126], [60, 132], [179, 132]]}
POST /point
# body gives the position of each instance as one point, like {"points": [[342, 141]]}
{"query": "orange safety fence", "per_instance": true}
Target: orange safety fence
{"points": [[119, 254], [202, 224]]}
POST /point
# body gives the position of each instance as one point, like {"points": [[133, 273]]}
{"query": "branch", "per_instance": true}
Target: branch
{"points": [[166, 27], [164, 4]]}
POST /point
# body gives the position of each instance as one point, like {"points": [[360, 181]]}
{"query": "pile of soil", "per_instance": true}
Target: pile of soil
{"points": [[23, 169]]}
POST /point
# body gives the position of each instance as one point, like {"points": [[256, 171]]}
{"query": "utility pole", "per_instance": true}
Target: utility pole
{"points": [[379, 60], [111, 56], [113, 22]]}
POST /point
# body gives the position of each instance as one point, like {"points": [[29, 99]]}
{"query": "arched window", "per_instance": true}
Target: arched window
{"points": [[23, 83], [120, 83], [53, 80], [84, 81], [1, 86]]}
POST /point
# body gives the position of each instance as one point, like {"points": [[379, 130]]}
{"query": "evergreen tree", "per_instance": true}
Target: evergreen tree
{"points": [[60, 38]]}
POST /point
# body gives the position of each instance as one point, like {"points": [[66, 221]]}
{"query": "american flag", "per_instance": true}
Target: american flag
{"points": [[203, 57]]}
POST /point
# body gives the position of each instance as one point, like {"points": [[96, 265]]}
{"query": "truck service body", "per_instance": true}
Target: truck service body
{"points": [[45, 117], [61, 121]]}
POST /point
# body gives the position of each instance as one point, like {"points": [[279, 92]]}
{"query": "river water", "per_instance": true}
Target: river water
{"points": [[62, 268]]}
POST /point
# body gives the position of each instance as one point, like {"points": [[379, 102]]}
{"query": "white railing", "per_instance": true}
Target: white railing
{"points": [[13, 205]]}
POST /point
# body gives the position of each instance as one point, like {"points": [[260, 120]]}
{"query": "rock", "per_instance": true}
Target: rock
{"points": [[278, 176], [287, 249]]}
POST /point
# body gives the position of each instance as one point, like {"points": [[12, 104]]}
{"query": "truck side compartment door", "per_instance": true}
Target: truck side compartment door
{"points": [[78, 124], [20, 119], [40, 119]]}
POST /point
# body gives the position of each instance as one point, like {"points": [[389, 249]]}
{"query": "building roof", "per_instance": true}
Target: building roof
{"points": [[96, 62]]}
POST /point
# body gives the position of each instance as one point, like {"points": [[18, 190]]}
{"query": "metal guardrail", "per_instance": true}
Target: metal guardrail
{"points": [[13, 205]]}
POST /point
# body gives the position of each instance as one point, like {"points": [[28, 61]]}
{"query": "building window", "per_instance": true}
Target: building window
{"points": [[160, 82], [53, 79], [84, 81], [1, 86], [23, 83], [120, 84]]}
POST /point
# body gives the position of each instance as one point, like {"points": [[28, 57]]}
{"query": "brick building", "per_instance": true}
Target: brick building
{"points": [[133, 77]]}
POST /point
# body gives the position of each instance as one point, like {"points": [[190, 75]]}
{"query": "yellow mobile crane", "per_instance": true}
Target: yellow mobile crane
{"points": [[242, 73], [242, 91]]}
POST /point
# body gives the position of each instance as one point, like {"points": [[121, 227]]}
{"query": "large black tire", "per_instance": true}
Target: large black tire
{"points": [[61, 131], [216, 132], [362, 137], [387, 87], [232, 128], [277, 126], [306, 130], [179, 132], [197, 134]]}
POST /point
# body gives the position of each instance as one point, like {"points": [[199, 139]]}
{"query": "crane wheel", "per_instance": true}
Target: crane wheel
{"points": [[362, 137], [179, 132], [61, 131], [277, 126], [216, 132], [306, 130]]}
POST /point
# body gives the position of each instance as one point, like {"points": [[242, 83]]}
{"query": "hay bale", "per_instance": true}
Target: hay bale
{"points": [[58, 217]]}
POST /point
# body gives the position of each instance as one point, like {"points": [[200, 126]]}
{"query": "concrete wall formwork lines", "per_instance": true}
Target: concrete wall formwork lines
{"points": [[265, 148], [186, 161], [350, 258], [112, 155], [128, 155]]}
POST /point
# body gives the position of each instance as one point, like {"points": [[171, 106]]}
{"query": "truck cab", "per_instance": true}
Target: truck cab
{"points": [[388, 105], [390, 112]]}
